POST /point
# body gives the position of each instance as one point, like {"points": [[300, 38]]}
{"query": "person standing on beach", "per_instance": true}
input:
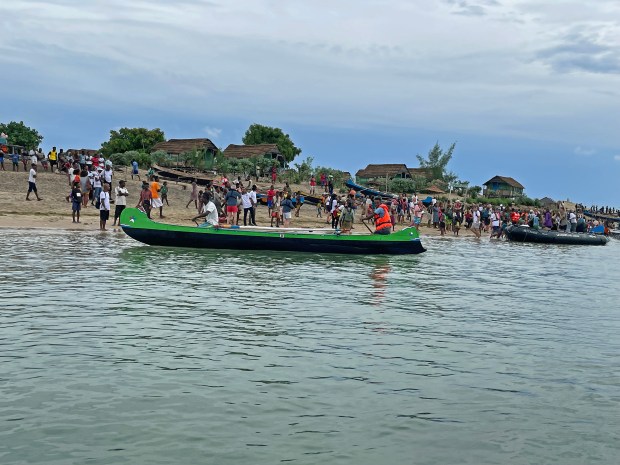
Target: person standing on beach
{"points": [[134, 169], [270, 198], [254, 201], [32, 182], [231, 199], [95, 180], [2, 158], [104, 207], [145, 199], [312, 185], [287, 208], [164, 193], [193, 196], [120, 200], [75, 197], [107, 176], [53, 156], [156, 202], [247, 206]]}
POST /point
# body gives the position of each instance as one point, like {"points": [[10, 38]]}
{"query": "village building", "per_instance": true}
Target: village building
{"points": [[381, 174], [270, 151], [502, 186], [177, 147]]}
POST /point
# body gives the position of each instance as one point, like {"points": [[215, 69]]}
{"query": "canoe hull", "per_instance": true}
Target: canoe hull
{"points": [[523, 234], [136, 226]]}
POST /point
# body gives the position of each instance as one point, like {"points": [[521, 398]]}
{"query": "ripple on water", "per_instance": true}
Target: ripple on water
{"points": [[474, 352]]}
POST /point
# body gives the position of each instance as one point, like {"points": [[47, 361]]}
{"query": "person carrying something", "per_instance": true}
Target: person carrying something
{"points": [[209, 211], [381, 215]]}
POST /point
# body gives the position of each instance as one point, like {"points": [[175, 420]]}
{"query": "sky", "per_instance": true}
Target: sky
{"points": [[527, 89]]}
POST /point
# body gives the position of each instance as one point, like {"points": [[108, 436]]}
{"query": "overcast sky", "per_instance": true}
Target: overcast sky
{"points": [[529, 89]]}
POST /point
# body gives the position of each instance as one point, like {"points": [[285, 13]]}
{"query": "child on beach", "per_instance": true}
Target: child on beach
{"points": [[164, 193], [75, 197], [319, 208]]}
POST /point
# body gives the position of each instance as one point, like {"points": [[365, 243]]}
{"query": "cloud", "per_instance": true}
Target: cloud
{"points": [[469, 8], [586, 152], [582, 51], [413, 65], [213, 133]]}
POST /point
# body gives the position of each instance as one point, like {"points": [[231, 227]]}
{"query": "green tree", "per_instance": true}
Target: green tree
{"points": [[304, 170], [126, 139], [399, 185], [437, 161], [259, 134], [20, 134]]}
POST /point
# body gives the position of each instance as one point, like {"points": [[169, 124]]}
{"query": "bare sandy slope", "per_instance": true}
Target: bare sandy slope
{"points": [[54, 212]]}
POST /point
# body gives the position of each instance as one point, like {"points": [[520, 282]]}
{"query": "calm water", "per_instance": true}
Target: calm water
{"points": [[473, 353]]}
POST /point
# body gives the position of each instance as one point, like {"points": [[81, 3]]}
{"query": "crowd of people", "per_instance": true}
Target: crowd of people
{"points": [[91, 181]]}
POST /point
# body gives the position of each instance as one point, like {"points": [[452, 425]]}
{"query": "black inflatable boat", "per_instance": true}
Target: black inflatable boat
{"points": [[525, 234]]}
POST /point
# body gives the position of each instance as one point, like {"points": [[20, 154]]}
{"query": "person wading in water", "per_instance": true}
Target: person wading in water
{"points": [[381, 215]]}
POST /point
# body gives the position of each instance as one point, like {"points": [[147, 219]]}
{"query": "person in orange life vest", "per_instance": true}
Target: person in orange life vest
{"points": [[381, 214], [514, 216]]}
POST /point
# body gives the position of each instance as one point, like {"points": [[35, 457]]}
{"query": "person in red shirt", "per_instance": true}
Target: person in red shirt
{"points": [[312, 185], [270, 195]]}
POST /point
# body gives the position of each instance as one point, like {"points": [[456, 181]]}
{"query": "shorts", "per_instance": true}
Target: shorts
{"points": [[134, 172], [287, 215], [417, 220], [156, 203], [146, 204], [104, 215], [32, 187], [232, 209], [487, 221], [118, 210], [269, 203], [76, 206], [496, 229]]}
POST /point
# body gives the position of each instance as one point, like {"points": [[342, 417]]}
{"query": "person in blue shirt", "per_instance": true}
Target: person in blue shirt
{"points": [[15, 161], [134, 169]]}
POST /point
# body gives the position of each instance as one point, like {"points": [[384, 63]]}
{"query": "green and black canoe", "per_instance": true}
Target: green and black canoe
{"points": [[136, 224]]}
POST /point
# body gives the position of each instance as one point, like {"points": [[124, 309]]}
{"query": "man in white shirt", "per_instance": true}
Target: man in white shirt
{"points": [[120, 200], [33, 157], [572, 219], [209, 211], [32, 182], [247, 206], [254, 204], [104, 206], [107, 175]]}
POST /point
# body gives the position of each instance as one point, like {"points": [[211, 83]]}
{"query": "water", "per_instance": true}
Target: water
{"points": [[473, 353]]}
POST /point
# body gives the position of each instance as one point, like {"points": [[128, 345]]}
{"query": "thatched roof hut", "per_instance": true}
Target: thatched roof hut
{"points": [[179, 146]]}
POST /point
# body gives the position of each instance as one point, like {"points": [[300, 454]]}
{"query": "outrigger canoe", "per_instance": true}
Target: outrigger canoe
{"points": [[138, 226]]}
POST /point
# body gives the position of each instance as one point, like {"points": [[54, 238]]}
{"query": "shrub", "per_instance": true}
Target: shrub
{"points": [[407, 186]]}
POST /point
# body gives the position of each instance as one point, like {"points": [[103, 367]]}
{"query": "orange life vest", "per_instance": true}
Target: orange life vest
{"points": [[383, 221], [514, 217]]}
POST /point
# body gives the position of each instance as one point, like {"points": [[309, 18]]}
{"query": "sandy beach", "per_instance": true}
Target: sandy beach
{"points": [[54, 212]]}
